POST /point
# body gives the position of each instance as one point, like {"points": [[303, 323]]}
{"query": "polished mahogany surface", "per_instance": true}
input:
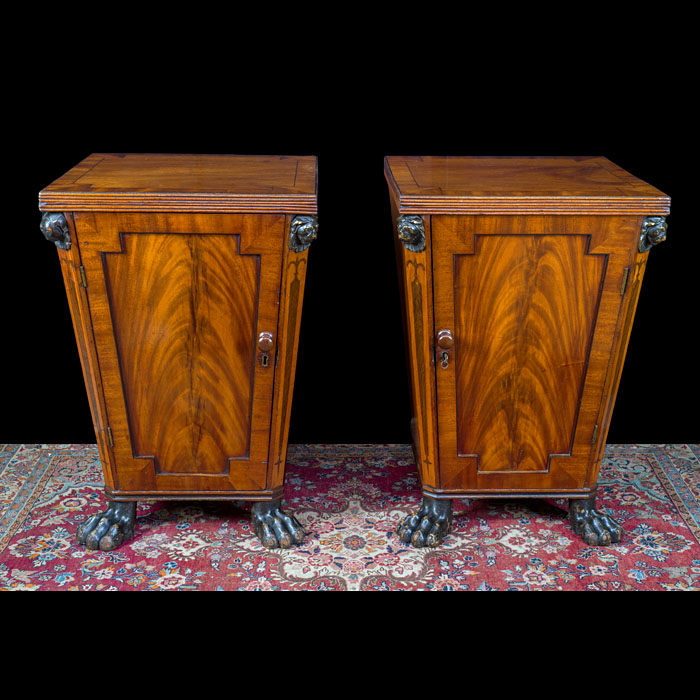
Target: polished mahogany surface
{"points": [[174, 182], [517, 323], [177, 303], [184, 309], [538, 313], [186, 296], [525, 346], [518, 185]]}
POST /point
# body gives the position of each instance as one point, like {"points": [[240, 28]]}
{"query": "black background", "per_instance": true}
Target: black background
{"points": [[351, 384]]}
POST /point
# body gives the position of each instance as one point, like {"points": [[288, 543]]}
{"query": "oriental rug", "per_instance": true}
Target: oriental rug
{"points": [[350, 500]]}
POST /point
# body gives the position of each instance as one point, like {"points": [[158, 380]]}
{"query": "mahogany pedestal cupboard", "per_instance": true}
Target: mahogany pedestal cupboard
{"points": [[519, 281], [185, 280]]}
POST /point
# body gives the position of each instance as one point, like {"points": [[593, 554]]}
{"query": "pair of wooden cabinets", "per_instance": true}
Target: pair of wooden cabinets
{"points": [[185, 278]]}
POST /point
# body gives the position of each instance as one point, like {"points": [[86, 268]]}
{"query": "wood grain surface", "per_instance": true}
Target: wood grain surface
{"points": [[294, 266], [416, 293], [535, 272], [82, 325], [184, 313], [518, 185], [178, 271], [179, 183], [177, 302], [524, 311], [535, 304], [545, 324]]}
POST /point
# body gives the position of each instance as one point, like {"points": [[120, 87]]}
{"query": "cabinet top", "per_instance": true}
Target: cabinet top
{"points": [[518, 185], [185, 182]]}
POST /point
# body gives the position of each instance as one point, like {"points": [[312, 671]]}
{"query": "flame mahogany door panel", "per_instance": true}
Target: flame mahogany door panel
{"points": [[533, 304], [177, 304]]}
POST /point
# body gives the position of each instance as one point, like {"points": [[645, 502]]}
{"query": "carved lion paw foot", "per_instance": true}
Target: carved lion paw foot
{"points": [[274, 527], [107, 530], [595, 527], [429, 525]]}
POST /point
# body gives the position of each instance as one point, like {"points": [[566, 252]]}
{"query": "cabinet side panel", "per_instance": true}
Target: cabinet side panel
{"points": [[291, 304], [633, 284], [82, 326], [416, 289]]}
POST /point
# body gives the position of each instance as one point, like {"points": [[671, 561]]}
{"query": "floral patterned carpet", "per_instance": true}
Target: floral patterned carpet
{"points": [[350, 499]]}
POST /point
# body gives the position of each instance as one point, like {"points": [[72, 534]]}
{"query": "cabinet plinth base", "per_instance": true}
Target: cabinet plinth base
{"points": [[270, 495], [460, 494]]}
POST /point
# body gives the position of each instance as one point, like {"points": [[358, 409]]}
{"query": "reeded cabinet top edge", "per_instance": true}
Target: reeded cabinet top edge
{"points": [[105, 181], [473, 184]]}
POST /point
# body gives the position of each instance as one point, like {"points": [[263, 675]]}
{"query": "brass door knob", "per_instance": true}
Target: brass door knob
{"points": [[445, 339], [265, 341]]}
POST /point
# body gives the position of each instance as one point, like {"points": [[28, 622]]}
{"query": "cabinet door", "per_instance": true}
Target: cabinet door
{"points": [[178, 303], [533, 306]]}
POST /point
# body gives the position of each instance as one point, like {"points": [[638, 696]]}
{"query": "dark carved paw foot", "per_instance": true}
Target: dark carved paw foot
{"points": [[429, 525], [595, 527], [274, 527], [107, 530]]}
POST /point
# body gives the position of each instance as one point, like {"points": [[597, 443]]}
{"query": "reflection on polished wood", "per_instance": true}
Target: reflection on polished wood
{"points": [[538, 185], [522, 346], [184, 312], [174, 182]]}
